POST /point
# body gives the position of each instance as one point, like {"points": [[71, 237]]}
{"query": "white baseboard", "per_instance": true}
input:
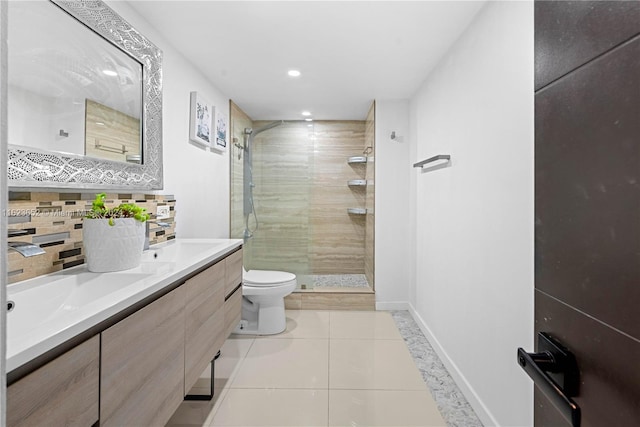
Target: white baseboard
{"points": [[476, 403], [393, 305]]}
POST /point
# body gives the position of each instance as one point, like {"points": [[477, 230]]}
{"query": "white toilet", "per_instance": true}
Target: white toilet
{"points": [[263, 293]]}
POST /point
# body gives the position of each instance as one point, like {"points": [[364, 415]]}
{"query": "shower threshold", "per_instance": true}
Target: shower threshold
{"points": [[333, 282], [332, 294]]}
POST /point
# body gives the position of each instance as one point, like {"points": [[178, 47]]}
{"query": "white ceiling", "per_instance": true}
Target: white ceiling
{"points": [[349, 52]]}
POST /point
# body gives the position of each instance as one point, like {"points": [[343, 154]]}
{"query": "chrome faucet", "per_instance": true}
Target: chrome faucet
{"points": [[23, 248], [26, 249], [146, 236]]}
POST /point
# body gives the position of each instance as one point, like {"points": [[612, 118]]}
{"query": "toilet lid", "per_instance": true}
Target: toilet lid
{"points": [[266, 277]]}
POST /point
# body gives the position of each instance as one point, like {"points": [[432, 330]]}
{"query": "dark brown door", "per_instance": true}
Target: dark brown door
{"points": [[587, 197]]}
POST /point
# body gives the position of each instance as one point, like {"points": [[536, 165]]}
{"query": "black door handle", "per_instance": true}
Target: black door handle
{"points": [[554, 370]]}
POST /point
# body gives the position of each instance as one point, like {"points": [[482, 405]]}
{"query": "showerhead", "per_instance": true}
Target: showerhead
{"points": [[252, 133]]}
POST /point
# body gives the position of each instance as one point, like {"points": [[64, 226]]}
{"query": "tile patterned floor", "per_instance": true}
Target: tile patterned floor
{"points": [[453, 406], [328, 369]]}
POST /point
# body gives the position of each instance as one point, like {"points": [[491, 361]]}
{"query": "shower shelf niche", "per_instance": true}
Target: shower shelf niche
{"points": [[357, 211], [357, 183], [357, 159]]}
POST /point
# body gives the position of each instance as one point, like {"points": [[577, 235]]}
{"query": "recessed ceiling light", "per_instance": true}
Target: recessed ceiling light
{"points": [[110, 73], [306, 113], [308, 120], [294, 73]]}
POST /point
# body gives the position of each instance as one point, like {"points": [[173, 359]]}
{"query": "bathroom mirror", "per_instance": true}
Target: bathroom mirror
{"points": [[84, 97]]}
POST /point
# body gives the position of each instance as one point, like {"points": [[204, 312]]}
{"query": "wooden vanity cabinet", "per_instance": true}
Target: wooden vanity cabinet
{"points": [[64, 392], [142, 375], [137, 371], [233, 292], [205, 326]]}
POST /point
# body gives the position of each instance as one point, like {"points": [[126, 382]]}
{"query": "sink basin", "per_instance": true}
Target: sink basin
{"points": [[35, 306]]}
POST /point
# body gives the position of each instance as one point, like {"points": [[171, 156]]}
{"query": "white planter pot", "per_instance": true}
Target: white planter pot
{"points": [[112, 247]]}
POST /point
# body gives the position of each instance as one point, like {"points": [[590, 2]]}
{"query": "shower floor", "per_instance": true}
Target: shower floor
{"points": [[333, 281]]}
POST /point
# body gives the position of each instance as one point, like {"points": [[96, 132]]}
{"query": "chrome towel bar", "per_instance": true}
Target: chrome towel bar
{"points": [[421, 164]]}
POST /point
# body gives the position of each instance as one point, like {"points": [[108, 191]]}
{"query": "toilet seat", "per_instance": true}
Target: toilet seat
{"points": [[278, 291], [267, 278]]}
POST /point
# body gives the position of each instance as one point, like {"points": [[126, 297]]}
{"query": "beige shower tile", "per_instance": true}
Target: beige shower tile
{"points": [[383, 408], [273, 407], [337, 301], [293, 301], [285, 363], [372, 365], [366, 324], [325, 262]]}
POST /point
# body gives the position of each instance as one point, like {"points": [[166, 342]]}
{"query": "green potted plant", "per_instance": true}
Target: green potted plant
{"points": [[113, 238]]}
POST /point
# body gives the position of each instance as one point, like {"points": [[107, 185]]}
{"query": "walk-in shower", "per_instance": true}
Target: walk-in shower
{"points": [[292, 202]]}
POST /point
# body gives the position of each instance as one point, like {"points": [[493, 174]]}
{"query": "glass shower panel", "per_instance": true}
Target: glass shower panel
{"points": [[282, 171]]}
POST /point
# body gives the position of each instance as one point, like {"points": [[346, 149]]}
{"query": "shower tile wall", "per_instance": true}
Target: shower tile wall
{"points": [[302, 196], [370, 141], [338, 238]]}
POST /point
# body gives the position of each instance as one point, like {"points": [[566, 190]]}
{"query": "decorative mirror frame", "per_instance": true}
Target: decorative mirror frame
{"points": [[33, 168]]}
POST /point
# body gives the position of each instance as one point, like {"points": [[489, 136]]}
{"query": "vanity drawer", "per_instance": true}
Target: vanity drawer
{"points": [[64, 392], [232, 311], [234, 272], [142, 364], [205, 325]]}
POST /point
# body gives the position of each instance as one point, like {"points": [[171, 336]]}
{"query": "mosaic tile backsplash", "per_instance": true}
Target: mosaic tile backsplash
{"points": [[53, 221]]}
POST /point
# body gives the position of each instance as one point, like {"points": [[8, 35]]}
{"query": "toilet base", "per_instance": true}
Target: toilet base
{"points": [[246, 328], [262, 316]]}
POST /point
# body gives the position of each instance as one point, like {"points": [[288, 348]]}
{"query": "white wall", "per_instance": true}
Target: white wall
{"points": [[30, 116], [199, 179], [473, 266], [3, 201], [392, 210]]}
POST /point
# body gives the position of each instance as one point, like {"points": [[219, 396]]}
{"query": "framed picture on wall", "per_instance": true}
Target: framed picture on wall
{"points": [[201, 121], [222, 130]]}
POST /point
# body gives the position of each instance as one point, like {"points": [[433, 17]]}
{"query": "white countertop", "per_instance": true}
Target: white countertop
{"points": [[51, 309]]}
